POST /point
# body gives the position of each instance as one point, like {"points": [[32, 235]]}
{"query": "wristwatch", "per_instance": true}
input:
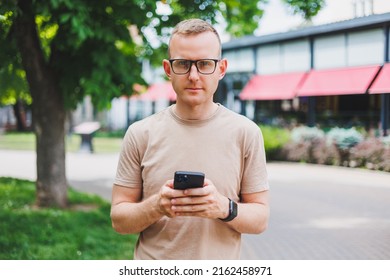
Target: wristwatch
{"points": [[233, 210]]}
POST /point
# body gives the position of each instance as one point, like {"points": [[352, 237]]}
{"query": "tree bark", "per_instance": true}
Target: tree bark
{"points": [[48, 111], [20, 116]]}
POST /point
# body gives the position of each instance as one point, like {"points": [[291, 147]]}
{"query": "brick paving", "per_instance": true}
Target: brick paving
{"points": [[324, 213]]}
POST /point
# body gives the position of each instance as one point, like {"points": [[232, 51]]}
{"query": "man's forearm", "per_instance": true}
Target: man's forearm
{"points": [[128, 217], [252, 218]]}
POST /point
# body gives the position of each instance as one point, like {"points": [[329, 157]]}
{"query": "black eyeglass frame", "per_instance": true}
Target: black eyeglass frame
{"points": [[195, 62]]}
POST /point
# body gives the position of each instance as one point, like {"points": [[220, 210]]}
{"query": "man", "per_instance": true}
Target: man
{"points": [[195, 134]]}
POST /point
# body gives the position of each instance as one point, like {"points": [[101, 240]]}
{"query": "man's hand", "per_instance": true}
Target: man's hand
{"points": [[204, 202], [166, 195]]}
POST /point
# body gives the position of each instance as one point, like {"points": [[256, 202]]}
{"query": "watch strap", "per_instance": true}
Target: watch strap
{"points": [[233, 211]]}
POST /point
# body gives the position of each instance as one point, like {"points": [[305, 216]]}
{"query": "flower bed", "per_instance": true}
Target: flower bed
{"points": [[339, 146]]}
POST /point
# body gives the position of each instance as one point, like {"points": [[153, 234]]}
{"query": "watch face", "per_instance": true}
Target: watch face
{"points": [[233, 210]]}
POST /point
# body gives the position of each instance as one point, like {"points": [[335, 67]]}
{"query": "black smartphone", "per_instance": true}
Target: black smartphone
{"points": [[188, 179]]}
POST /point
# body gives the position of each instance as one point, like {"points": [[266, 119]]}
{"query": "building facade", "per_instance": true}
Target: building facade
{"points": [[333, 74]]}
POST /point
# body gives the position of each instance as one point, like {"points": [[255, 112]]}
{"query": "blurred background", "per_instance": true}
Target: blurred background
{"points": [[313, 74]]}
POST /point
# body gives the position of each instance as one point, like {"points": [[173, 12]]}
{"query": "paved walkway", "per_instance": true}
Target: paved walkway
{"points": [[324, 213], [92, 173], [317, 212]]}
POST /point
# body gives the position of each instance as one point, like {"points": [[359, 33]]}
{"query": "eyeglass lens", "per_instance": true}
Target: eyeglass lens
{"points": [[183, 66]]}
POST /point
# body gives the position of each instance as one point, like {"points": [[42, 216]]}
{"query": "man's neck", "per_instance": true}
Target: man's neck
{"points": [[198, 112]]}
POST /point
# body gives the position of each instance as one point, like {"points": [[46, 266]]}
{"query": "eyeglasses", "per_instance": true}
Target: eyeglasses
{"points": [[183, 66]]}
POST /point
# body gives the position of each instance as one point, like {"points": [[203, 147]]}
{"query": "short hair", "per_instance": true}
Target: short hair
{"points": [[193, 27]]}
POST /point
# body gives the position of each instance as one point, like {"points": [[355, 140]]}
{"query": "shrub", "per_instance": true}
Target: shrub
{"points": [[385, 164], [368, 153], [303, 141], [306, 134], [274, 140], [345, 147], [325, 153], [386, 141], [344, 138], [297, 151]]}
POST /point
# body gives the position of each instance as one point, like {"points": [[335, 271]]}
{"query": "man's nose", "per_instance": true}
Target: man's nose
{"points": [[194, 75]]}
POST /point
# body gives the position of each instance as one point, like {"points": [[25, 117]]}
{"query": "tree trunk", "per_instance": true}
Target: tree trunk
{"points": [[20, 116], [47, 110]]}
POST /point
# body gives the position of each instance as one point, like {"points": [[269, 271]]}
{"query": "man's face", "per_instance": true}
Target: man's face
{"points": [[194, 88]]}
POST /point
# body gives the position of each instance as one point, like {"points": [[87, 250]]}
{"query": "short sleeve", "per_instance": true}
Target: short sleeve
{"points": [[255, 177], [129, 165]]}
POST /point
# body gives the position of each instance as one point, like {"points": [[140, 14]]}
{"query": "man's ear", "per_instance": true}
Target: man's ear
{"points": [[167, 68], [222, 68]]}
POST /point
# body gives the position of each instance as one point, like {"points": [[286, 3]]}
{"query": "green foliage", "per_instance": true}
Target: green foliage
{"points": [[243, 16], [305, 8], [54, 234], [89, 47], [13, 84], [274, 140], [86, 44], [93, 51]]}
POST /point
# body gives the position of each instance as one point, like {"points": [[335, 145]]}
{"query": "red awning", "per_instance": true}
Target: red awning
{"points": [[273, 87], [352, 80], [382, 81], [159, 91]]}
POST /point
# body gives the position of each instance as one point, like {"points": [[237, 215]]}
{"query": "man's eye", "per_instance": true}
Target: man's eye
{"points": [[182, 63], [204, 63]]}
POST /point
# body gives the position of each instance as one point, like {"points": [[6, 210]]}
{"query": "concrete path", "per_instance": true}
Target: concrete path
{"points": [[317, 212]]}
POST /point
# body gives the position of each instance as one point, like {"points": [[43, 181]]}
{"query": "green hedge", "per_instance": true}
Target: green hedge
{"points": [[274, 140]]}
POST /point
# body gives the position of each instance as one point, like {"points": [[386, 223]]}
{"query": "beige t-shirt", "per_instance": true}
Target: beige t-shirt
{"points": [[227, 147]]}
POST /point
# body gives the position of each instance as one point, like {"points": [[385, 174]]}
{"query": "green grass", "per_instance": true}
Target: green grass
{"points": [[31, 233], [26, 141], [17, 141]]}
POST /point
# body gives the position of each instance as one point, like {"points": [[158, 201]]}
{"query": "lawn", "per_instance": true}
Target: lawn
{"points": [[102, 143], [82, 232]]}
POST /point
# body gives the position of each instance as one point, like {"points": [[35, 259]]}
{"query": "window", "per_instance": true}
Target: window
{"points": [[330, 52], [366, 47]]}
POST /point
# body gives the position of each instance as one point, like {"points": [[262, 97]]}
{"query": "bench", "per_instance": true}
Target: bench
{"points": [[86, 131]]}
